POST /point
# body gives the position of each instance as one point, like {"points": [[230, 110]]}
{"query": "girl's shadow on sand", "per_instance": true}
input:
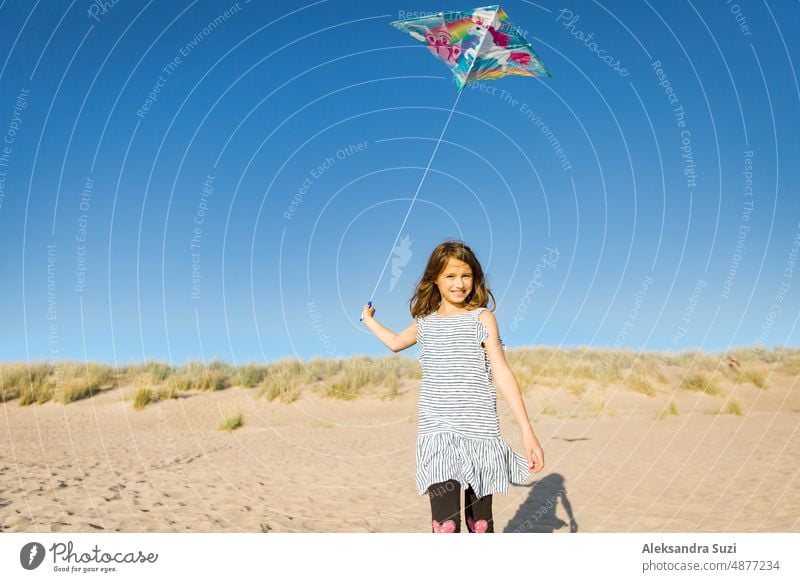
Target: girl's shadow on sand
{"points": [[538, 513]]}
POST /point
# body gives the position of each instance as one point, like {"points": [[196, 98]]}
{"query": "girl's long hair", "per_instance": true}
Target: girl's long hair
{"points": [[426, 298]]}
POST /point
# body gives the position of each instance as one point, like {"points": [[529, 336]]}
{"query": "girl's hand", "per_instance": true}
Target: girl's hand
{"points": [[367, 311], [533, 452]]}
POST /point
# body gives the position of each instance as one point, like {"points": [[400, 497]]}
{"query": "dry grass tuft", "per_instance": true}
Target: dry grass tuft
{"points": [[250, 375], [231, 423], [549, 410], [144, 396], [754, 374], [641, 385], [670, 409], [29, 383], [167, 393], [700, 382], [732, 407], [283, 381]]}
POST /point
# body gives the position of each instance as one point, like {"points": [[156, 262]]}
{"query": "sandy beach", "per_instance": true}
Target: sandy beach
{"points": [[326, 465]]}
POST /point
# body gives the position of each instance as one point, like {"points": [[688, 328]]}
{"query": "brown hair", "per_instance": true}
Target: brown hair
{"points": [[426, 297]]}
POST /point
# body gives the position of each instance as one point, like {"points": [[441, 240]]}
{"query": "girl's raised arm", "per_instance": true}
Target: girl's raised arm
{"points": [[394, 341]]}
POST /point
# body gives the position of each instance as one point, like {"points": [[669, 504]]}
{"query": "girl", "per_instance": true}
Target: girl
{"points": [[459, 443]]}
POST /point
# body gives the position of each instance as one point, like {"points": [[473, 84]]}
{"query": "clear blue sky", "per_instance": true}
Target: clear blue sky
{"points": [[152, 155]]}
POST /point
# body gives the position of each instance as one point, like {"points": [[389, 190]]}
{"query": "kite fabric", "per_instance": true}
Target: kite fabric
{"points": [[476, 44]]}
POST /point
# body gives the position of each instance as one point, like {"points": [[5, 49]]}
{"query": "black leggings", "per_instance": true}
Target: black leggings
{"points": [[446, 507]]}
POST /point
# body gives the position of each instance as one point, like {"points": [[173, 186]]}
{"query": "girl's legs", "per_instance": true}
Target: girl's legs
{"points": [[445, 506], [478, 512], [445, 500]]}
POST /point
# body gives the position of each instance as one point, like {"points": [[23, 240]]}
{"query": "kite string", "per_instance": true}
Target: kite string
{"points": [[419, 187]]}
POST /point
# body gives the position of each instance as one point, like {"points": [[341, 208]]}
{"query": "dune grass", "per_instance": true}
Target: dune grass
{"points": [[143, 396], [250, 375], [732, 407], [670, 409], [360, 376], [83, 381], [64, 382], [790, 363], [35, 394], [701, 382], [754, 374], [549, 410], [642, 385], [576, 370], [231, 423], [283, 381], [19, 379], [168, 393]]}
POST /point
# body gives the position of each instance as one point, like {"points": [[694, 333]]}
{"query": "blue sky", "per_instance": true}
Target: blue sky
{"points": [[222, 179]]}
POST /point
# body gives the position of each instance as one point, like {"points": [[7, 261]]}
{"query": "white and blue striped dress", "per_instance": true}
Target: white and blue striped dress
{"points": [[459, 431]]}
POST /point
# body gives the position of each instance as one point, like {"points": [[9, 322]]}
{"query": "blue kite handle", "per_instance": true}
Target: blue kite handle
{"points": [[369, 304]]}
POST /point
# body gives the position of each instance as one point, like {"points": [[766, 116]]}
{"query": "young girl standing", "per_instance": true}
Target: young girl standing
{"points": [[459, 444]]}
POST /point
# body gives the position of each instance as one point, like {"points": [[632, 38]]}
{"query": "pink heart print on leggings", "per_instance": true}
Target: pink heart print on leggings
{"points": [[480, 526], [447, 527]]}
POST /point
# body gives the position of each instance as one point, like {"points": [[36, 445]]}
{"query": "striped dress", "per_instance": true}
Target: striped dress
{"points": [[459, 431]]}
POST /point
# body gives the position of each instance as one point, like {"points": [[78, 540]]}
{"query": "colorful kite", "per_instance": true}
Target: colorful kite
{"points": [[477, 44]]}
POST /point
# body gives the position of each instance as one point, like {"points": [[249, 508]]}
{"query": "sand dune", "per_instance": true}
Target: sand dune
{"points": [[614, 464]]}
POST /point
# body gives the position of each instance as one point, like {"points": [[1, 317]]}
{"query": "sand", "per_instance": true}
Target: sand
{"points": [[323, 465]]}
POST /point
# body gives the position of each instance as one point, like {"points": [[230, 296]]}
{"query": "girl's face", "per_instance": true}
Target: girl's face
{"points": [[455, 281]]}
